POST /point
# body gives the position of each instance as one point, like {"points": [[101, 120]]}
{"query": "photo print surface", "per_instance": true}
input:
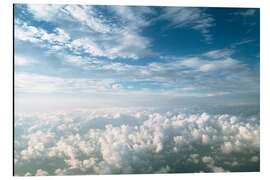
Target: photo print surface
{"points": [[135, 89]]}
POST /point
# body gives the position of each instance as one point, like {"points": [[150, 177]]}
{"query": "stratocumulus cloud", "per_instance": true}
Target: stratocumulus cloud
{"points": [[113, 141]]}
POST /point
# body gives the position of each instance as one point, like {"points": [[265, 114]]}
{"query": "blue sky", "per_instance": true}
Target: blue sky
{"points": [[135, 56], [136, 89]]}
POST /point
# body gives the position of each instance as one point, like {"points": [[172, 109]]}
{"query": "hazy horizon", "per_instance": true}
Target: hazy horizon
{"points": [[136, 89]]}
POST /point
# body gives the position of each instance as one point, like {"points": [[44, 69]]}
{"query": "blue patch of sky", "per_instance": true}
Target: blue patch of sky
{"points": [[165, 40], [174, 41], [178, 41], [21, 12], [232, 29]]}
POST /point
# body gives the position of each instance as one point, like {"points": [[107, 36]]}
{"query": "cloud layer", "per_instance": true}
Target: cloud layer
{"points": [[190, 90], [122, 140]]}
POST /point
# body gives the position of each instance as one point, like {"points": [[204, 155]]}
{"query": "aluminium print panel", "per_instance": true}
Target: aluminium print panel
{"points": [[135, 89]]}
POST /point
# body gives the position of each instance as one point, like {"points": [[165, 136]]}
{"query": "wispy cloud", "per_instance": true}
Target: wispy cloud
{"points": [[172, 76], [148, 94], [39, 36], [234, 45], [44, 11], [104, 37], [134, 17], [248, 12], [34, 83], [219, 53], [87, 16], [193, 18]]}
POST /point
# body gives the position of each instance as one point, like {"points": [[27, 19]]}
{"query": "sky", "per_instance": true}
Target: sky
{"points": [[136, 89], [68, 56]]}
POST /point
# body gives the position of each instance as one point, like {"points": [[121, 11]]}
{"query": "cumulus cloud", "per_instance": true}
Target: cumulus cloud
{"points": [[126, 140], [28, 174], [92, 51], [41, 172]]}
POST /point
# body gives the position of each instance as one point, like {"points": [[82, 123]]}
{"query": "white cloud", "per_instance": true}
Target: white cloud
{"points": [[124, 40], [44, 11], [208, 160], [134, 16], [234, 45], [36, 144], [124, 44], [60, 36], [39, 36], [105, 38], [21, 60], [77, 60], [26, 33], [230, 72], [86, 15], [127, 148], [41, 172], [248, 12], [28, 174], [193, 18], [214, 65], [88, 45], [33, 83], [129, 45], [60, 172], [37, 83], [220, 53]]}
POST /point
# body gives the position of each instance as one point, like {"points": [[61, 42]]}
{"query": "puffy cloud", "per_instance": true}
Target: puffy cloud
{"points": [[60, 172], [41, 172], [125, 140], [37, 142], [28, 174]]}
